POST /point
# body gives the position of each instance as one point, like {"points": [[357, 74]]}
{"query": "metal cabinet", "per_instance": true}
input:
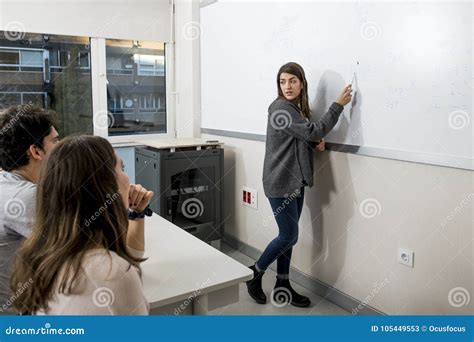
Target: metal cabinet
{"points": [[188, 187]]}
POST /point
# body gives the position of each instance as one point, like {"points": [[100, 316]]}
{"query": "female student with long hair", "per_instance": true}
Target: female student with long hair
{"points": [[83, 255], [288, 168]]}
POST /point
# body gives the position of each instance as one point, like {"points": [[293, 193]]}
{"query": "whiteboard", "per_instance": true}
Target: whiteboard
{"points": [[414, 80]]}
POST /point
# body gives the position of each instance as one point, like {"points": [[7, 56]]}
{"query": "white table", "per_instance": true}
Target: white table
{"points": [[174, 143], [184, 275], [169, 143]]}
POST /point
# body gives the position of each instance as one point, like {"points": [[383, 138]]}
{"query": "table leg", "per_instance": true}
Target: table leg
{"points": [[216, 299]]}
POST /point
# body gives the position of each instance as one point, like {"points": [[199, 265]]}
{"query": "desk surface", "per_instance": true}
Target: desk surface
{"points": [[165, 143], [180, 265], [177, 143]]}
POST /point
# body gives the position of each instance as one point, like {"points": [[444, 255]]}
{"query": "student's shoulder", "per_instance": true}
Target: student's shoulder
{"points": [[18, 199], [282, 104], [27, 193], [107, 265], [22, 189]]}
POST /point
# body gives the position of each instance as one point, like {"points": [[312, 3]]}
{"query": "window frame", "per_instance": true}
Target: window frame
{"points": [[20, 65], [99, 96], [98, 71]]}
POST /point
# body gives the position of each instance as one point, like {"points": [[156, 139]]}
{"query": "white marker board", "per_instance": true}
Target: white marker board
{"points": [[414, 81]]}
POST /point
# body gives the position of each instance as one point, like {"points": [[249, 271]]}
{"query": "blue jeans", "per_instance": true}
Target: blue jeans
{"points": [[287, 212]]}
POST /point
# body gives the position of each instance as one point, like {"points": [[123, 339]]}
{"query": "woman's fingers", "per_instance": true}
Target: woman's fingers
{"points": [[148, 196], [145, 200], [133, 193], [322, 145], [139, 197], [345, 96]]}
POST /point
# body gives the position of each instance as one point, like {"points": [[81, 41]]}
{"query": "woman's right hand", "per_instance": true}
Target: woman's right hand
{"points": [[138, 197], [345, 96]]}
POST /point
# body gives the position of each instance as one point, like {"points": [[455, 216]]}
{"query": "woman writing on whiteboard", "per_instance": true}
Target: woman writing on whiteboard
{"points": [[288, 168]]}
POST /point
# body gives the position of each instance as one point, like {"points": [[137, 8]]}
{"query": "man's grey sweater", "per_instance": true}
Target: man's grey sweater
{"points": [[288, 163]]}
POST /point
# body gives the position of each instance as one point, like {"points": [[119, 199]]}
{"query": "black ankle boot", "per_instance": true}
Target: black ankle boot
{"points": [[254, 286], [283, 294]]}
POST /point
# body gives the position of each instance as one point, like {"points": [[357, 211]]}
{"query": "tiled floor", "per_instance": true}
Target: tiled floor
{"points": [[247, 306]]}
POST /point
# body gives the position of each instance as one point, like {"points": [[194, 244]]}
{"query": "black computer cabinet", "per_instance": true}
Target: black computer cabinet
{"points": [[187, 186]]}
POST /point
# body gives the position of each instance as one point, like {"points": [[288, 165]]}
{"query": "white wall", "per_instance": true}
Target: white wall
{"points": [[188, 99], [427, 209]]}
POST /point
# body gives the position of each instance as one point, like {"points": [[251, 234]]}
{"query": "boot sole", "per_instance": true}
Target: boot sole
{"points": [[259, 301], [298, 305]]}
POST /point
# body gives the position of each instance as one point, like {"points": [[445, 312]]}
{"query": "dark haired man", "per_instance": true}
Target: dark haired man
{"points": [[27, 135]]}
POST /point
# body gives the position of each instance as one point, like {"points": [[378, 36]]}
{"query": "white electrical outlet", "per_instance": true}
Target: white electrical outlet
{"points": [[405, 257], [249, 197]]}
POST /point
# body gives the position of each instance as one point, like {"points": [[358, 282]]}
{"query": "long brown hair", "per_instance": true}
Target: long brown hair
{"points": [[296, 69], [78, 208]]}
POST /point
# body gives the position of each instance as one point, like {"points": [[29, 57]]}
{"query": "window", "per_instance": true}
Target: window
{"points": [[31, 58], [150, 65], [84, 60], [52, 72], [61, 59], [15, 98], [9, 57], [21, 59], [136, 87]]}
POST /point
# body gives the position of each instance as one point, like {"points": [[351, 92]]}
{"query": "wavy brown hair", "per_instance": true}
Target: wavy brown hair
{"points": [[77, 182], [296, 69]]}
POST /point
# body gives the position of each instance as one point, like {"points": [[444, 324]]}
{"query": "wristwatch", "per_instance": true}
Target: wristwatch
{"points": [[133, 215]]}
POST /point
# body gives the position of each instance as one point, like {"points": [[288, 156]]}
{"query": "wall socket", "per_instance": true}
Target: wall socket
{"points": [[405, 257], [249, 197]]}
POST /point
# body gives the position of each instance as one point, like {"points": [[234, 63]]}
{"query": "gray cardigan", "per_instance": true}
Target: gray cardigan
{"points": [[288, 163]]}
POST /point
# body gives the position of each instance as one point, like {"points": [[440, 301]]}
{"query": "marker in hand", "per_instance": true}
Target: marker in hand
{"points": [[345, 97], [354, 75]]}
